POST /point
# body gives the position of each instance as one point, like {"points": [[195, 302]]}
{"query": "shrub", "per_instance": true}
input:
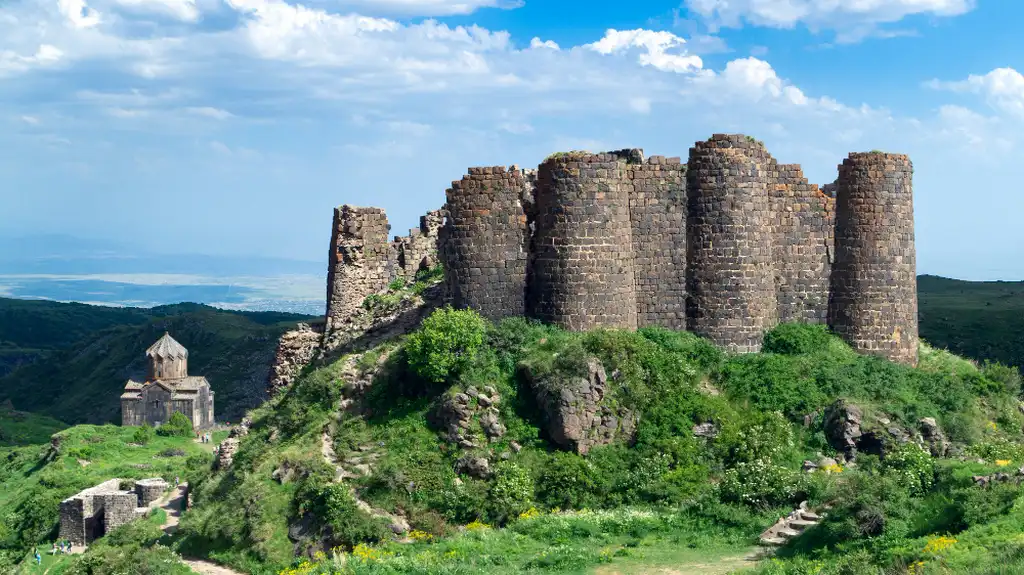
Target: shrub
{"points": [[568, 482], [796, 339], [912, 466], [1008, 376], [178, 426], [143, 434], [760, 483], [448, 340], [512, 492]]}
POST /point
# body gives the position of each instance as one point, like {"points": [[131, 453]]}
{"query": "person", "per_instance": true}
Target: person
{"points": [[175, 480], [38, 557], [69, 546]]}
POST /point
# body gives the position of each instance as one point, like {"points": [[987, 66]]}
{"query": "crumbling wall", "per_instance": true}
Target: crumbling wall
{"points": [[484, 242], [359, 264], [295, 350], [149, 490], [418, 250], [82, 516], [873, 301], [118, 509], [582, 273], [802, 235], [657, 208], [730, 277]]}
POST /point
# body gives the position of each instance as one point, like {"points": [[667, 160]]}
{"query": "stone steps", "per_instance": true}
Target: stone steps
{"points": [[793, 525]]}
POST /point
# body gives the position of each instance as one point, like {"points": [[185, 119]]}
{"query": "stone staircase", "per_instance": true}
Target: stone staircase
{"points": [[790, 526]]}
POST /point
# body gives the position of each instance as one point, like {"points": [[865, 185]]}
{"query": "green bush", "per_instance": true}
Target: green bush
{"points": [[178, 426], [143, 434], [568, 481], [512, 491], [796, 339], [447, 342], [912, 466]]}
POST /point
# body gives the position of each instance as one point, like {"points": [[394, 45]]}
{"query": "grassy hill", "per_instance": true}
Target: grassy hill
{"points": [[81, 382], [23, 428], [982, 320]]}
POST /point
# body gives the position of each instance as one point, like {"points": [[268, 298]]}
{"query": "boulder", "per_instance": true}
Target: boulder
{"points": [[575, 414], [474, 466], [708, 430], [842, 426], [933, 437]]}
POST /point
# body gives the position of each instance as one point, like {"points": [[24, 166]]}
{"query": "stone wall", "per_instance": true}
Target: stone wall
{"points": [[582, 267], [149, 490], [730, 278], [873, 303], [359, 263], [802, 236], [418, 250], [118, 509], [484, 249], [295, 349], [84, 516], [657, 211]]}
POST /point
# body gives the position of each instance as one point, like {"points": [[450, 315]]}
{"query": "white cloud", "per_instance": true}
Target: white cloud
{"points": [[185, 10], [78, 13], [428, 7], [538, 43], [655, 45], [851, 19], [1002, 88], [209, 112], [30, 120]]}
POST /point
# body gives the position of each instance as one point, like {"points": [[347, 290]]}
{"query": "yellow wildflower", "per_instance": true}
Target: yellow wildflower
{"points": [[529, 513], [939, 544], [417, 535], [477, 525], [1002, 462], [833, 468], [916, 568], [992, 425]]}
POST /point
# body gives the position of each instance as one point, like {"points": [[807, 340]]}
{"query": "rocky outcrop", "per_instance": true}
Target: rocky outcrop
{"points": [[474, 466], [934, 438], [226, 453], [576, 415], [790, 526], [382, 318], [460, 415], [295, 350]]}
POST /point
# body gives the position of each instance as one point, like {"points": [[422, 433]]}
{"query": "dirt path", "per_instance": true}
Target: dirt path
{"points": [[700, 566], [173, 503]]}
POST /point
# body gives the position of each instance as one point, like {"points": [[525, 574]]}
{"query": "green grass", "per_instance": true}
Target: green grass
{"points": [[35, 479], [81, 382], [23, 428]]}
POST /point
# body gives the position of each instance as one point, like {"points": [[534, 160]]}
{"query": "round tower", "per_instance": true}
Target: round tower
{"points": [[582, 273], [485, 242], [730, 278], [168, 359], [873, 286]]}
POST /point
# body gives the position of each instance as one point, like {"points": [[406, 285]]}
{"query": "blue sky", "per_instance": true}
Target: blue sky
{"points": [[234, 126]]}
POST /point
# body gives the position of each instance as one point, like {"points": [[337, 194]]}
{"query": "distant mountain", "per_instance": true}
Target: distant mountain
{"points": [[81, 355], [70, 255]]}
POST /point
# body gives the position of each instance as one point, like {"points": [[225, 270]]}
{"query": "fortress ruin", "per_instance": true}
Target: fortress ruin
{"points": [[727, 246], [98, 510]]}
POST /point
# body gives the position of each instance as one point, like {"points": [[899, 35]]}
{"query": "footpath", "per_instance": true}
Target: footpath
{"points": [[174, 504]]}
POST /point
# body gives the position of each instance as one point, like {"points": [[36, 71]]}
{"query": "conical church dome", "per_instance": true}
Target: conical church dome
{"points": [[167, 348]]}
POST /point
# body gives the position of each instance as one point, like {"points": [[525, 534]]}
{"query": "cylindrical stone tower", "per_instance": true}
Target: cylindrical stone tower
{"points": [[873, 288], [582, 275], [730, 278], [485, 242], [359, 261]]}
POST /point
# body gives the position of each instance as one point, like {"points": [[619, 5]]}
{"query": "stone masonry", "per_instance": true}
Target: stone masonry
{"points": [[485, 242], [359, 263], [582, 266], [873, 303], [730, 277], [726, 246], [98, 510]]}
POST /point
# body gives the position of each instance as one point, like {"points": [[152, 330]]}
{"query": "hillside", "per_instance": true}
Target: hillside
{"points": [[81, 382], [23, 428], [982, 320]]}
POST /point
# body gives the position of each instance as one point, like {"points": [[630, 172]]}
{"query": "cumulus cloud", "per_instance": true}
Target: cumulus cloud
{"points": [[538, 43], [1002, 89], [428, 7], [654, 47], [852, 20], [185, 10]]}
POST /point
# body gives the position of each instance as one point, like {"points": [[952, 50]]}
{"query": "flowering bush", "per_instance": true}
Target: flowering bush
{"points": [[759, 482], [913, 467]]}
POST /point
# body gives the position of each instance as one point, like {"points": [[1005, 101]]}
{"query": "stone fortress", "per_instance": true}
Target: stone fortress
{"points": [[727, 245], [167, 389]]}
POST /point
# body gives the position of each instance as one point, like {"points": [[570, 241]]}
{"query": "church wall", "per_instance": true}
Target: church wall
{"points": [[131, 413], [160, 368], [156, 401]]}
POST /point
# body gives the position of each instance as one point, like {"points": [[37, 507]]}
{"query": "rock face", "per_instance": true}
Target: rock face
{"points": [[934, 438], [842, 427], [457, 415], [575, 416], [295, 350], [850, 431]]}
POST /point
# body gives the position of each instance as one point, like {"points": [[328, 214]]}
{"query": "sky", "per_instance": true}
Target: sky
{"points": [[233, 127]]}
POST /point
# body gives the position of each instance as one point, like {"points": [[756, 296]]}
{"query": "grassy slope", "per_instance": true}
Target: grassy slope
{"points": [[23, 428], [82, 384], [242, 516], [34, 483]]}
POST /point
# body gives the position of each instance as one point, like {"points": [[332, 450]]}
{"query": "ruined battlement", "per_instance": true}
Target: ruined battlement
{"points": [[727, 245]]}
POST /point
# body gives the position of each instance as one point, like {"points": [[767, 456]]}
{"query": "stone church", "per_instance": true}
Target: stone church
{"points": [[167, 389]]}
